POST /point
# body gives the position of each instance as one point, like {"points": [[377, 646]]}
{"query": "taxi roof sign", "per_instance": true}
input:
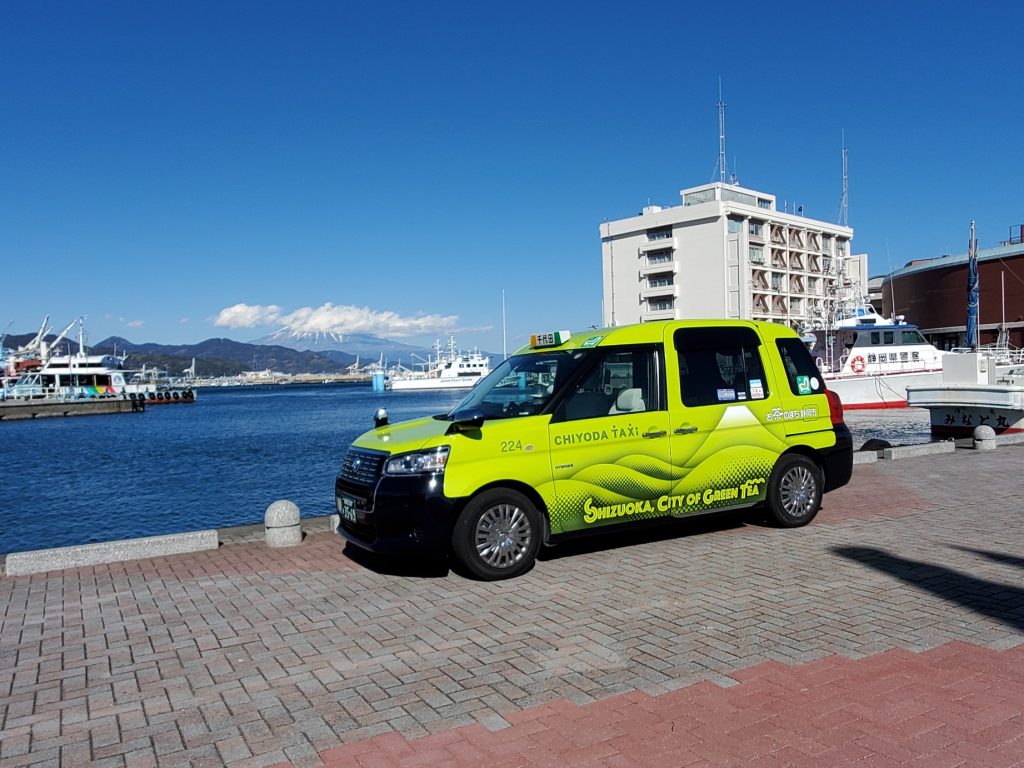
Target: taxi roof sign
{"points": [[549, 339]]}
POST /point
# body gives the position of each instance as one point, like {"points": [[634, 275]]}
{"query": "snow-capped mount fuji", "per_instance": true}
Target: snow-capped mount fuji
{"points": [[364, 345]]}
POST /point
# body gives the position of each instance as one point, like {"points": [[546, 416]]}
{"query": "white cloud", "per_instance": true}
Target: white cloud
{"points": [[131, 323], [247, 316], [329, 318]]}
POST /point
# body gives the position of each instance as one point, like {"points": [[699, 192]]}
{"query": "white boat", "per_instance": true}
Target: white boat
{"points": [[448, 369], [79, 375], [973, 393], [871, 365]]}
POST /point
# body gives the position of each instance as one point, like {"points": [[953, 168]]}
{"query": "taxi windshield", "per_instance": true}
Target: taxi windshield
{"points": [[522, 385]]}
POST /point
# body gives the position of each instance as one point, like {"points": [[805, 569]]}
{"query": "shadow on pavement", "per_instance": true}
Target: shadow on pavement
{"points": [[415, 567], [661, 530], [998, 557], [998, 601]]}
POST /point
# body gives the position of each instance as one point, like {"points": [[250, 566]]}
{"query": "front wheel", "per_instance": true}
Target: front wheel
{"points": [[498, 535], [794, 491]]}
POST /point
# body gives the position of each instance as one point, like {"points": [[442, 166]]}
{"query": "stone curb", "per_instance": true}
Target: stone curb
{"points": [[865, 457], [40, 560], [1014, 439], [927, 449]]}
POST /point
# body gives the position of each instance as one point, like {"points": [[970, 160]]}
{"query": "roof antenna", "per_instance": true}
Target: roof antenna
{"points": [[844, 202], [723, 171]]}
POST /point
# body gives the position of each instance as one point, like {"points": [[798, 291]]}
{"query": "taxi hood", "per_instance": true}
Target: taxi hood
{"points": [[405, 435]]}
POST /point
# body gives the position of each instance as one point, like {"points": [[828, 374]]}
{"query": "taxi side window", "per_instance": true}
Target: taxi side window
{"points": [[622, 381], [719, 365], [801, 371]]}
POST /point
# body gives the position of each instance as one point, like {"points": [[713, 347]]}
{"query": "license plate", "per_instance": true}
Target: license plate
{"points": [[347, 509]]}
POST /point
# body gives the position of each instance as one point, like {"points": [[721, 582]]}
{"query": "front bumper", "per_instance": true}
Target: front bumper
{"points": [[398, 515], [838, 460]]}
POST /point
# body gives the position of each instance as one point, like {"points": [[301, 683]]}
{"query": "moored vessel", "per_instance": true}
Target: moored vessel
{"points": [[80, 376], [973, 393], [871, 365], [447, 369]]}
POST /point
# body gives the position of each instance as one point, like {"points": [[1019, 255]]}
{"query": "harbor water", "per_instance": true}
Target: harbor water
{"points": [[221, 461]]}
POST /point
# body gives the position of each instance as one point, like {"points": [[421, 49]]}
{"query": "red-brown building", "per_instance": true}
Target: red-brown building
{"points": [[932, 294]]}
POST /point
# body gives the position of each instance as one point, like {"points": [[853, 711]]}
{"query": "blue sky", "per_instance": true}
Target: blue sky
{"points": [[393, 169]]}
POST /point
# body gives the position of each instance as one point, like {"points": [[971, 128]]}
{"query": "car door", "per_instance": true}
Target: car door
{"points": [[724, 444], [609, 442]]}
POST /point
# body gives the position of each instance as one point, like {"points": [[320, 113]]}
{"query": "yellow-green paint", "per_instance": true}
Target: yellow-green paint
{"points": [[601, 471]]}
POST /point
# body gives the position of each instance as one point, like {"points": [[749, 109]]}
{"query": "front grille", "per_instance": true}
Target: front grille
{"points": [[362, 468]]}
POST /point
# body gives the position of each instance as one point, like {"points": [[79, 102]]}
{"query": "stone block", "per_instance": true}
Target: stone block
{"points": [[282, 524], [926, 449]]}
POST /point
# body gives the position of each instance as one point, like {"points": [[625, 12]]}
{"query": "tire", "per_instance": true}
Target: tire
{"points": [[498, 535], [794, 491]]}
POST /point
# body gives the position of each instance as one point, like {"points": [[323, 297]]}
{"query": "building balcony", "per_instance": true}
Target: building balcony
{"points": [[668, 291], [653, 269], [658, 244]]}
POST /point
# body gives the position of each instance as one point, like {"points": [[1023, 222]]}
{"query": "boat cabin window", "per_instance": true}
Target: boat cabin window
{"points": [[912, 337]]}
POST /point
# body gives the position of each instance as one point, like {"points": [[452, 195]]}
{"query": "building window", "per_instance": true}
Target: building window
{"points": [[756, 254], [660, 304], [776, 281], [733, 196], [762, 203], [660, 280], [735, 226], [661, 233], [659, 257], [703, 196], [756, 228]]}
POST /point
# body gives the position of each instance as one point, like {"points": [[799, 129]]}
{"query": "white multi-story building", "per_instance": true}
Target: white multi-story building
{"points": [[728, 252]]}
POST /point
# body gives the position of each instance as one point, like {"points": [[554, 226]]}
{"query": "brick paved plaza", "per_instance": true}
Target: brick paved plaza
{"points": [[888, 632]]}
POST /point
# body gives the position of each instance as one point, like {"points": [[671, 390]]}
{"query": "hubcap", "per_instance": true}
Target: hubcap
{"points": [[503, 535], [797, 492]]}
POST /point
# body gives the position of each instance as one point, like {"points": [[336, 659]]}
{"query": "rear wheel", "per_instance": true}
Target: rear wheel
{"points": [[498, 535], [794, 491]]}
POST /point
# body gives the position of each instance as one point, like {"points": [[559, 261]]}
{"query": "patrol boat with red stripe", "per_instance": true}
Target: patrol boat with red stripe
{"points": [[871, 366]]}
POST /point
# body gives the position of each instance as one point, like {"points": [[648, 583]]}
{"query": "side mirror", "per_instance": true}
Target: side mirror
{"points": [[467, 419], [380, 418]]}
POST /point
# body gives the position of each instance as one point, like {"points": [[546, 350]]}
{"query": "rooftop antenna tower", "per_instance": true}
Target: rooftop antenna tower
{"points": [[723, 171], [844, 202]]}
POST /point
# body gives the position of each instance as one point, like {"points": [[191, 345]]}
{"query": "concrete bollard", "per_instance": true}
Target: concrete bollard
{"points": [[282, 524], [984, 438]]}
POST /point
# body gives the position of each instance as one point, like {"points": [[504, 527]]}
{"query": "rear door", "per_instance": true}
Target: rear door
{"points": [[609, 442], [724, 444]]}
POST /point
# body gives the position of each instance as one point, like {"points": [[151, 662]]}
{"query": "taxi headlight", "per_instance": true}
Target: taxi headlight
{"points": [[430, 462]]}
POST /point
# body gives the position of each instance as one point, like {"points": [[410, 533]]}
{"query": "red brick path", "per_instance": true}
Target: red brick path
{"points": [[956, 705]]}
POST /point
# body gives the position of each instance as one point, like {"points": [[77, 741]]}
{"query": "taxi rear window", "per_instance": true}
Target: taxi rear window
{"points": [[719, 366]]}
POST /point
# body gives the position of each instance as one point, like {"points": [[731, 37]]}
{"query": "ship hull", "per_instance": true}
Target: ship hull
{"points": [[879, 391]]}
